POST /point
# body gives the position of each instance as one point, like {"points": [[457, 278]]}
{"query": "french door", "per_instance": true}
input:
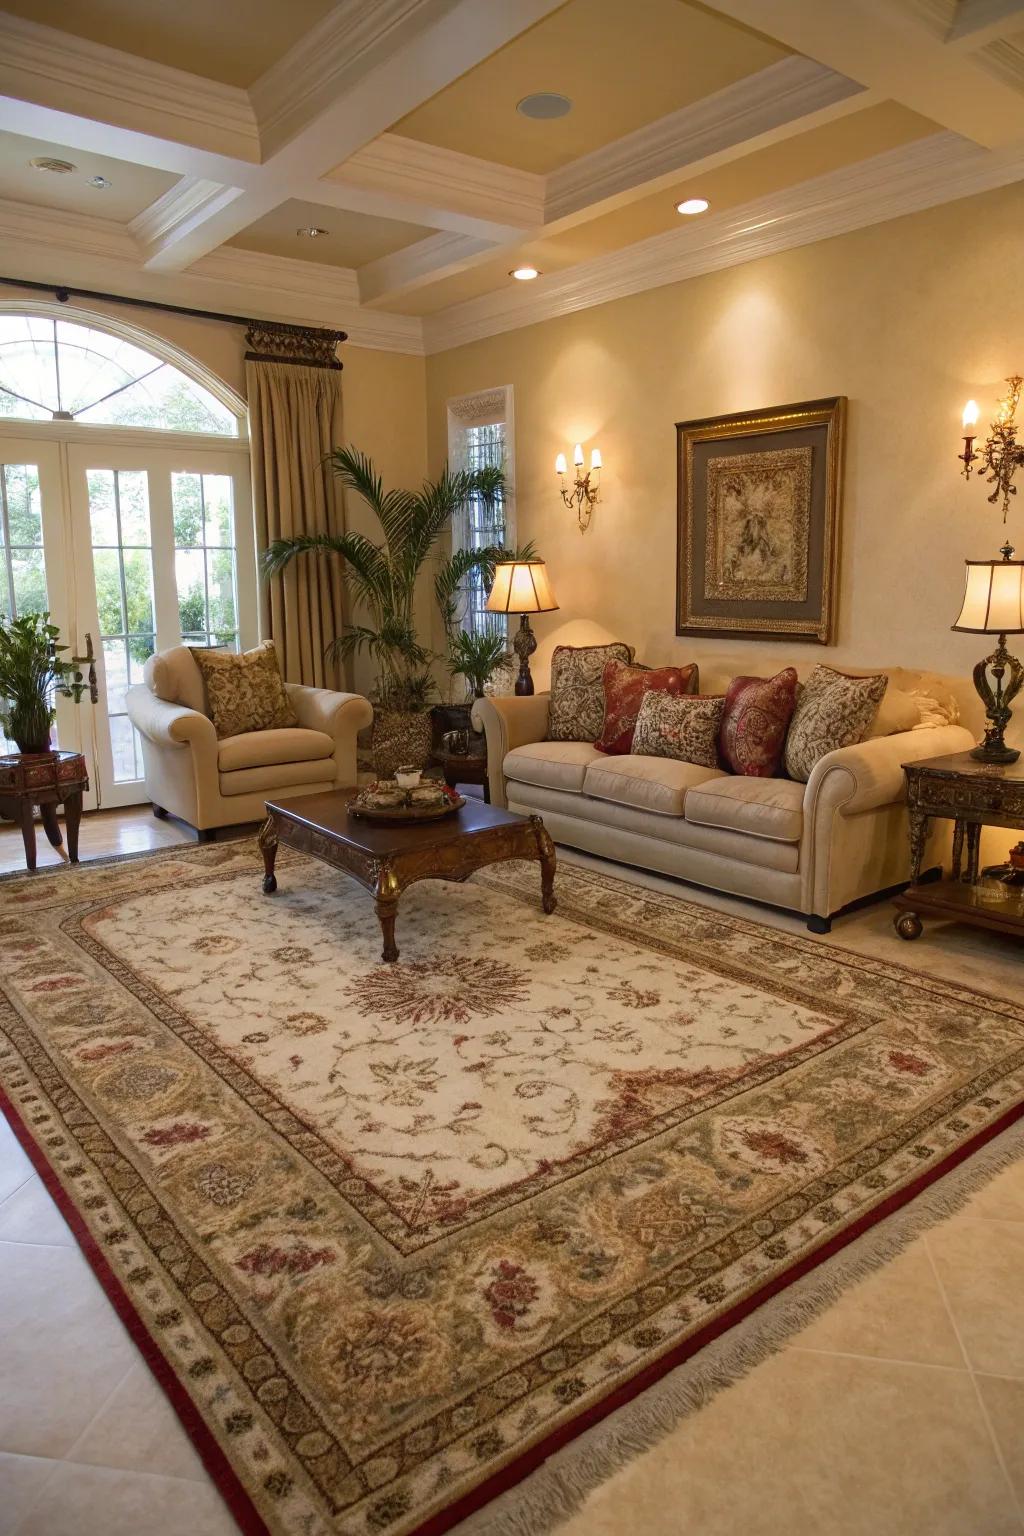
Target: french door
{"points": [[164, 552], [138, 546]]}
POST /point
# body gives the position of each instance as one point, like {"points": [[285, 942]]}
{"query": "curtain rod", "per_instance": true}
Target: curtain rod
{"points": [[62, 293]]}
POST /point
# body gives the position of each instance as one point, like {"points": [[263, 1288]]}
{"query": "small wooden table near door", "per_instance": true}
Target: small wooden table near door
{"points": [[46, 779], [386, 858]]}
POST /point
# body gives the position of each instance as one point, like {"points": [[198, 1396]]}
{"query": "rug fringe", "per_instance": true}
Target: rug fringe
{"points": [[558, 1489]]}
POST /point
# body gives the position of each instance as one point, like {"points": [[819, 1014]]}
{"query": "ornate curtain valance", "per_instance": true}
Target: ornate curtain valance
{"points": [[303, 344]]}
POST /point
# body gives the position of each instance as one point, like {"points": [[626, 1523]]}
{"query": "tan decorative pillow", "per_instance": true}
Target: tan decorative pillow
{"points": [[246, 692], [898, 711], [576, 712], [832, 711], [680, 725]]}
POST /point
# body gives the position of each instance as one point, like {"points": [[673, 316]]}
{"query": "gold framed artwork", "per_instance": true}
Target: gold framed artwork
{"points": [[758, 522]]}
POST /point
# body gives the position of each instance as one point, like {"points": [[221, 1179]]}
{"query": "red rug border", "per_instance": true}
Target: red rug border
{"points": [[232, 1490]]}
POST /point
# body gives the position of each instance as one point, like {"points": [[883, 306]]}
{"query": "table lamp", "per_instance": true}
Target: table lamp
{"points": [[994, 605], [522, 586]]}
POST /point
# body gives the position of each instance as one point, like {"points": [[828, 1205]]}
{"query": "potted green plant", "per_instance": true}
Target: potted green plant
{"points": [[32, 675], [382, 581], [475, 658]]}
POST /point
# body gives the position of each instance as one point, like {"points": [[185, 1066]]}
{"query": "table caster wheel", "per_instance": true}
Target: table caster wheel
{"points": [[908, 925]]}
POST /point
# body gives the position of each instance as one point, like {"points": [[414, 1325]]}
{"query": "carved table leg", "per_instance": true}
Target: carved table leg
{"points": [[918, 829], [72, 821], [385, 901], [28, 833], [958, 848], [51, 826], [267, 841], [973, 851], [546, 851]]}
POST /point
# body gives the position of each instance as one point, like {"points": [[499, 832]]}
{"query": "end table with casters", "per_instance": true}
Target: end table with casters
{"points": [[971, 794]]}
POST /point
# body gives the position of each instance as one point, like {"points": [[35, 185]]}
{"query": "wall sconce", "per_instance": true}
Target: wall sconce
{"points": [[585, 488], [1002, 455]]}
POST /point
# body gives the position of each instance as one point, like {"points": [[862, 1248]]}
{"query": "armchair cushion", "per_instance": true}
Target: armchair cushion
{"points": [[246, 691], [260, 749]]}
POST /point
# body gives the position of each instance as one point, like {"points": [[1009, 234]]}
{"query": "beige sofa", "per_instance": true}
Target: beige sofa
{"points": [[811, 848], [211, 782]]}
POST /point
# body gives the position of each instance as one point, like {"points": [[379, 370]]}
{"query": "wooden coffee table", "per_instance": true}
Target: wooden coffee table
{"points": [[386, 859]]}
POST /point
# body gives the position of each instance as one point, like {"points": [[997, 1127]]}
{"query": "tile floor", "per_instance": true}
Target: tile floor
{"points": [[898, 1412]]}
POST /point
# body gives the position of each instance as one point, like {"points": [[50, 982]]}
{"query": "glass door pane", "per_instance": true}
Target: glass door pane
{"points": [[205, 558], [31, 564]]}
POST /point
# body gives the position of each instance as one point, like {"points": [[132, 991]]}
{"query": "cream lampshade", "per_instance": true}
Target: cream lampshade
{"points": [[994, 605], [522, 586]]}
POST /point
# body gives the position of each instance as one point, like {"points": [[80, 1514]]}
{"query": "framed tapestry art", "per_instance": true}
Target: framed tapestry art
{"points": [[758, 522]]}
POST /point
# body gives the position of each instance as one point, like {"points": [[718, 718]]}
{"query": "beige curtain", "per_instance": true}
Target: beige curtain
{"points": [[294, 419]]}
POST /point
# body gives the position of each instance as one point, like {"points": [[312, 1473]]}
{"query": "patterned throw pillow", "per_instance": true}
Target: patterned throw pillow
{"points": [[833, 711], [624, 690], [683, 726], [576, 711], [754, 725], [246, 692]]}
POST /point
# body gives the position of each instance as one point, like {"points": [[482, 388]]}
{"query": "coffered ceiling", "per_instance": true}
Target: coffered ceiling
{"points": [[394, 126]]}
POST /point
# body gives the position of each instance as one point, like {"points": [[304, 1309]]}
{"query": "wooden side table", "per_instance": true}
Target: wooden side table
{"points": [[46, 779], [469, 769], [972, 795]]}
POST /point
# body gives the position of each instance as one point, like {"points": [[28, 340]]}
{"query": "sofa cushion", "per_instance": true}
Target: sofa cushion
{"points": [[757, 715], [577, 694], [554, 764], [625, 688], [260, 749], [649, 783], [279, 777], [174, 677], [772, 808], [245, 690]]}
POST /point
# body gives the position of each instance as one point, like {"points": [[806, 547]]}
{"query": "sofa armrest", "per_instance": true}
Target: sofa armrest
{"points": [[507, 723], [339, 715], [170, 725], [870, 774]]}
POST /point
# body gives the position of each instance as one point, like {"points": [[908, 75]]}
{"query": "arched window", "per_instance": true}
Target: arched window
{"points": [[62, 370]]}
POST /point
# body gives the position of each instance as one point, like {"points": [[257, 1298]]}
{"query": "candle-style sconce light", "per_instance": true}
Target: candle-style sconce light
{"points": [[585, 489], [1002, 455]]}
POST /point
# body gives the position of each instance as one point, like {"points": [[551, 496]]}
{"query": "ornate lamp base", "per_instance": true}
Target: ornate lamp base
{"points": [[524, 644], [997, 703]]}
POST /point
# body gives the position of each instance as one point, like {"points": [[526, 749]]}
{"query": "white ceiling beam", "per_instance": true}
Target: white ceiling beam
{"points": [[977, 22], [369, 63], [784, 99], [415, 172], [889, 49], [127, 100]]}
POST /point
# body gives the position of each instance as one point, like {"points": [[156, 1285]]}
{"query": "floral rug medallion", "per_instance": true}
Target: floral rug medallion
{"points": [[389, 1233]]}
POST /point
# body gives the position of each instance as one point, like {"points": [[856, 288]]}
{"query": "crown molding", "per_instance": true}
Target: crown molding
{"points": [[173, 214], [923, 174], [1005, 60], [416, 265], [72, 75], [83, 234], [346, 43], [786, 92], [425, 173]]}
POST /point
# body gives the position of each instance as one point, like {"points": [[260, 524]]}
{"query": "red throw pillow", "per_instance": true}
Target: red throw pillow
{"points": [[757, 715], [624, 689]]}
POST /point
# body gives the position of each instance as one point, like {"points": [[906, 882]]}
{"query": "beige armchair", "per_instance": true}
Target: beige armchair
{"points": [[211, 782]]}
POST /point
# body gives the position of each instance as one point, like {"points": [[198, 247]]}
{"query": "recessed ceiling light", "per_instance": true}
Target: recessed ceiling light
{"points": [[100, 181], [312, 231], [47, 163], [524, 274], [544, 105], [693, 205]]}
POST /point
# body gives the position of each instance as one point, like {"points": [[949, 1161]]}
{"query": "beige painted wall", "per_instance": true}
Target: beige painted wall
{"points": [[907, 319]]}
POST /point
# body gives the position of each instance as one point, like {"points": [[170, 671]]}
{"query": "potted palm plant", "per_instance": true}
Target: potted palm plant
{"points": [[32, 674], [382, 581]]}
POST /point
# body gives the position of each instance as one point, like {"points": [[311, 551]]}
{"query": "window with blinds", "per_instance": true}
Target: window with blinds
{"points": [[480, 436]]}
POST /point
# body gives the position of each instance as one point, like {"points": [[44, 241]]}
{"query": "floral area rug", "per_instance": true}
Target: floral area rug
{"points": [[390, 1234]]}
